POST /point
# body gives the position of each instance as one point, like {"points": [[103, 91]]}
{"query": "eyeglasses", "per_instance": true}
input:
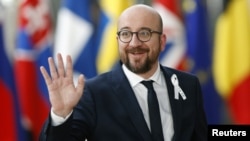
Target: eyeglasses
{"points": [[143, 35]]}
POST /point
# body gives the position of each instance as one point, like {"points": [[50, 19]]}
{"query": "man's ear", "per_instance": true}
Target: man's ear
{"points": [[163, 41]]}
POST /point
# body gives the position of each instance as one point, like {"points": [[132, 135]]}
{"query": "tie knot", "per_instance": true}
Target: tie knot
{"points": [[148, 84]]}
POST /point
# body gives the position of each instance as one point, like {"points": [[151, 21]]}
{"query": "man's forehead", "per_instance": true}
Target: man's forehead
{"points": [[137, 21], [139, 16], [137, 9]]}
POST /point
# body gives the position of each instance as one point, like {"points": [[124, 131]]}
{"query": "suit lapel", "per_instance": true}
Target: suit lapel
{"points": [[175, 104], [127, 97]]}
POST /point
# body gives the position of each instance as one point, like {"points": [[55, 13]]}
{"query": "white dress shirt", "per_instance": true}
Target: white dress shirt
{"points": [[141, 94], [160, 88]]}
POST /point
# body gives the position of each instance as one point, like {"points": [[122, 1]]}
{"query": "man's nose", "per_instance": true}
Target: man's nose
{"points": [[135, 41]]}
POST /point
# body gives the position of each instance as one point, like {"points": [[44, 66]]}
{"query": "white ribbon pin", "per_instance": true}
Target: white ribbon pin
{"points": [[177, 88]]}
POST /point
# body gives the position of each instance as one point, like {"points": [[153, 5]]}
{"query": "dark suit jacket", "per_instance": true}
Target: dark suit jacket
{"points": [[109, 111]]}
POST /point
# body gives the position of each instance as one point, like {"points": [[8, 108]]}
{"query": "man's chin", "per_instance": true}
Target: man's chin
{"points": [[137, 68]]}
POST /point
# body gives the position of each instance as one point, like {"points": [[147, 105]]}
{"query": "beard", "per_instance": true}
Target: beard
{"points": [[140, 65]]}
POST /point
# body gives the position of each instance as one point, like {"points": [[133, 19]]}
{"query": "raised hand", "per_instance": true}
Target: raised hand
{"points": [[63, 94]]}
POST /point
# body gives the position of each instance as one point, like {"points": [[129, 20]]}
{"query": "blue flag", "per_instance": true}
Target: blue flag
{"points": [[199, 53]]}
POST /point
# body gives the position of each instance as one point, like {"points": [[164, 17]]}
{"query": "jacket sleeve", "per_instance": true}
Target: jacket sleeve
{"points": [[52, 133], [200, 130], [77, 127]]}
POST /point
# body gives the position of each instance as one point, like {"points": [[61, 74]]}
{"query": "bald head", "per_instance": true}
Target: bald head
{"points": [[140, 15]]}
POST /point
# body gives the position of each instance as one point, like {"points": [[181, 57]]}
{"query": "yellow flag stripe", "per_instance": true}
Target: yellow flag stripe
{"points": [[232, 47], [108, 53]]}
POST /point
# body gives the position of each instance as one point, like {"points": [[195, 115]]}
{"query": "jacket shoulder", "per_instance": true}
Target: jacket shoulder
{"points": [[170, 71]]}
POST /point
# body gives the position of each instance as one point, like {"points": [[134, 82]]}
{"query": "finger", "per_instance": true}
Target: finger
{"points": [[80, 84], [52, 68], [46, 76], [60, 67], [69, 67]]}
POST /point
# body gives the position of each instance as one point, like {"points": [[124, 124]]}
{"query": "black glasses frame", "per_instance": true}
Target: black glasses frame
{"points": [[136, 33]]}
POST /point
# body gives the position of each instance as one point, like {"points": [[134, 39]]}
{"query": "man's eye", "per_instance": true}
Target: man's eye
{"points": [[144, 33], [125, 33]]}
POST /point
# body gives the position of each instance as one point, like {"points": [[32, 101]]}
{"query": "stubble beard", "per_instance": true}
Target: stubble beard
{"points": [[139, 66]]}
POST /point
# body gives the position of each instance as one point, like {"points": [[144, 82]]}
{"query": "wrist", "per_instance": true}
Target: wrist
{"points": [[61, 113]]}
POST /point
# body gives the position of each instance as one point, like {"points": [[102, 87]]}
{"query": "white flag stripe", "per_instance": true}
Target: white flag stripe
{"points": [[72, 33]]}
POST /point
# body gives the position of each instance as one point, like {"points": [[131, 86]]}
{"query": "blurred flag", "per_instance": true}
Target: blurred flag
{"points": [[174, 53], [231, 62], [106, 32], [74, 35], [199, 56], [32, 51], [10, 120]]}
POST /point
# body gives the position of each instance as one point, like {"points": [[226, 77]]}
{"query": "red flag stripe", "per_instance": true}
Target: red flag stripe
{"points": [[172, 5], [34, 107], [7, 118], [239, 102]]}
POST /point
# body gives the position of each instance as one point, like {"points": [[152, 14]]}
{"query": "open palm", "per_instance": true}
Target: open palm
{"points": [[63, 94]]}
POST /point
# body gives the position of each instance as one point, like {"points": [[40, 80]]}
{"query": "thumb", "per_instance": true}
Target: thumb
{"points": [[80, 84]]}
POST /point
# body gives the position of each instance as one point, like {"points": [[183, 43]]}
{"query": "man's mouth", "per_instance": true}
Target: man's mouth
{"points": [[136, 51]]}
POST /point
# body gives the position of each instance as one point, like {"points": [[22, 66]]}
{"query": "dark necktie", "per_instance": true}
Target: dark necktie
{"points": [[154, 112]]}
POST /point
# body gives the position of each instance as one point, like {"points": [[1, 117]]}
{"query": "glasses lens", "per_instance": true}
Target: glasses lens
{"points": [[125, 36], [144, 35]]}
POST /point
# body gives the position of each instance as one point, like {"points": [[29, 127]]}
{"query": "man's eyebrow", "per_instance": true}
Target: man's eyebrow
{"points": [[124, 28], [146, 28], [127, 28]]}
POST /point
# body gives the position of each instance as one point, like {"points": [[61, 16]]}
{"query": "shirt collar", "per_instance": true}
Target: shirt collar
{"points": [[134, 79]]}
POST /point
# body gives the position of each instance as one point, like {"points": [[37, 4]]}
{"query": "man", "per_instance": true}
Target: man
{"points": [[113, 106]]}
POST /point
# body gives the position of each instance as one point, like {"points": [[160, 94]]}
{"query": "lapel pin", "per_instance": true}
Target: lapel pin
{"points": [[177, 89]]}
